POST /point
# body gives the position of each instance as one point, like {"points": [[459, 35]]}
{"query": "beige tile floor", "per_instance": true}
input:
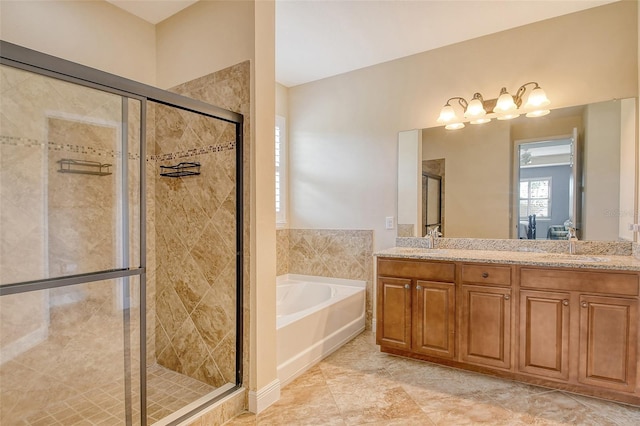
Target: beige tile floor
{"points": [[359, 385]]}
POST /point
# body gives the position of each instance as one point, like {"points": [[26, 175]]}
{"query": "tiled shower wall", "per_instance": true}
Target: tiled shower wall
{"points": [[195, 231], [330, 253]]}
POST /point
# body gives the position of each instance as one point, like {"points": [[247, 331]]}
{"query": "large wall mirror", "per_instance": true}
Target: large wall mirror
{"points": [[527, 178]]}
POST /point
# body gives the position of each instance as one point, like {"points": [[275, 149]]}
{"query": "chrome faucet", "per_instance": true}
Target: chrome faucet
{"points": [[432, 235], [571, 236]]}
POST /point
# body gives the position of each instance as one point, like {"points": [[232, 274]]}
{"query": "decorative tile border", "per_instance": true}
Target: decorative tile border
{"points": [[226, 146], [67, 147], [109, 153]]}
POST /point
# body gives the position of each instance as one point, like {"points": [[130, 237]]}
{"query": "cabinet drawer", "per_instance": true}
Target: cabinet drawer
{"points": [[612, 283], [417, 269], [485, 274]]}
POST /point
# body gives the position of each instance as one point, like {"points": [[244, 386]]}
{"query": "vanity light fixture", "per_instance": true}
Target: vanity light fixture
{"points": [[505, 107]]}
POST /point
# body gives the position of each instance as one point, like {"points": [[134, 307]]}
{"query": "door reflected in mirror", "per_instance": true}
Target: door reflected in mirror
{"points": [[546, 182]]}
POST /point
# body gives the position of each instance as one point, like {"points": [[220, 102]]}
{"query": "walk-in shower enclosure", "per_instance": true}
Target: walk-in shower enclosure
{"points": [[120, 247]]}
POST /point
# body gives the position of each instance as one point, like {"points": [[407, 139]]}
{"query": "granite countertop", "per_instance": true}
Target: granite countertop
{"points": [[606, 262]]}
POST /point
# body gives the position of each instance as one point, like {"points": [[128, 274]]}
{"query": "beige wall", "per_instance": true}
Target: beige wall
{"points": [[207, 36], [124, 45], [263, 218], [343, 130]]}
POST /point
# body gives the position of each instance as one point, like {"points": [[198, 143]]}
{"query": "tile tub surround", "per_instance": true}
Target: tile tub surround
{"points": [[360, 385], [332, 253]]}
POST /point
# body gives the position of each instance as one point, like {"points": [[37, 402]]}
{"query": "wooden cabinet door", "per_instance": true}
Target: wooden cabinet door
{"points": [[608, 340], [544, 334], [434, 319], [393, 323], [485, 332]]}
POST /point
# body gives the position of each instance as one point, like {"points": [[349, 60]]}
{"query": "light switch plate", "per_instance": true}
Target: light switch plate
{"points": [[635, 227], [389, 222]]}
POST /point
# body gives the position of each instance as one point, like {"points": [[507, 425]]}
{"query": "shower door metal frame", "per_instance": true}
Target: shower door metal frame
{"points": [[40, 63]]}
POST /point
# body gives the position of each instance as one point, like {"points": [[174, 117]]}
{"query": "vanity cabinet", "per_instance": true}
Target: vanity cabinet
{"points": [[433, 322], [544, 334], [599, 308], [608, 341], [394, 312], [416, 307], [567, 328], [485, 327]]}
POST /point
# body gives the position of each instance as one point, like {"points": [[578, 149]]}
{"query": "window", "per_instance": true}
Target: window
{"points": [[281, 164], [535, 197]]}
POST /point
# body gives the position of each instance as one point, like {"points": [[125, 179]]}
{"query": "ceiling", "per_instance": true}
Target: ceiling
{"points": [[316, 39], [153, 11]]}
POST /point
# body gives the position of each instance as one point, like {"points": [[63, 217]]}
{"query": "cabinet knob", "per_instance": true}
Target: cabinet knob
{"points": [[507, 297], [565, 302], [584, 304], [407, 286], [485, 275], [418, 287]]}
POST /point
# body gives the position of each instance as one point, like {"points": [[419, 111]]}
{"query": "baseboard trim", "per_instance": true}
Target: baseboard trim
{"points": [[262, 398]]}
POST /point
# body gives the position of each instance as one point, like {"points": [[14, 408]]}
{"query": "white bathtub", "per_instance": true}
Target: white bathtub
{"points": [[315, 316]]}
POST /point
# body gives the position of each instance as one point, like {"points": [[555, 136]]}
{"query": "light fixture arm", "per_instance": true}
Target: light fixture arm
{"points": [[478, 96], [521, 90], [461, 101]]}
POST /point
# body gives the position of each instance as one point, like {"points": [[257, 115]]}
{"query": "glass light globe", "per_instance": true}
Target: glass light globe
{"points": [[505, 103], [481, 120], [447, 114], [537, 99], [475, 109]]}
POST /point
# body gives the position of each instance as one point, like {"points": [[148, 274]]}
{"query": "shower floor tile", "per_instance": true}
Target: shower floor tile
{"points": [[167, 392]]}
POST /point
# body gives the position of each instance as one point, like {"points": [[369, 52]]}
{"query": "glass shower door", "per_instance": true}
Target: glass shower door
{"points": [[70, 252]]}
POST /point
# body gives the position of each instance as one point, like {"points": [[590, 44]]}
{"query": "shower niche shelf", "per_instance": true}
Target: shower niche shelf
{"points": [[181, 169], [84, 167]]}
